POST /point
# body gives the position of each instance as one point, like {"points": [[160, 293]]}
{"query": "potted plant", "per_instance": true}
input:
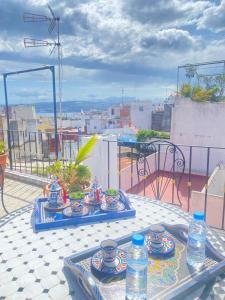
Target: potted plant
{"points": [[77, 196], [3, 155], [112, 197], [73, 176]]}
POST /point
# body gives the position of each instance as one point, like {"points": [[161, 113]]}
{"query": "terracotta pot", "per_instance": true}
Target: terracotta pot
{"points": [[3, 159]]}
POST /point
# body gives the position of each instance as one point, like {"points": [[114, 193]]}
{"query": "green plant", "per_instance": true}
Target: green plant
{"points": [[111, 192], [76, 195], [73, 175], [144, 135], [2, 147], [186, 90]]}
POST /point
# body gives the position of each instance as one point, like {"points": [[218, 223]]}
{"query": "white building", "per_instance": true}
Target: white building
{"points": [[96, 124], [141, 114]]}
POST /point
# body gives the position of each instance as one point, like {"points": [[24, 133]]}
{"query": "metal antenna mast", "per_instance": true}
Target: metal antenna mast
{"points": [[53, 21]]}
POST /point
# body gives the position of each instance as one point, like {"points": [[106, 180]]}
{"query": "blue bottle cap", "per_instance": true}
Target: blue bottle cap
{"points": [[198, 215], [138, 239]]}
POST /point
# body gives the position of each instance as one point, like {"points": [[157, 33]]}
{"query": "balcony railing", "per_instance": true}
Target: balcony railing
{"points": [[201, 186]]}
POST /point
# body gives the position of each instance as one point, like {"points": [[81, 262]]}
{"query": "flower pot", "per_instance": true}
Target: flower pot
{"points": [[76, 204], [3, 159], [112, 201]]}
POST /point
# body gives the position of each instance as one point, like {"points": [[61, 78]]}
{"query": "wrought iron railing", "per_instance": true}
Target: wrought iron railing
{"points": [[202, 182]]}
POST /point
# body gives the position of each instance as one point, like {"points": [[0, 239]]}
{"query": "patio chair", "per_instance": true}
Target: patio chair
{"points": [[162, 164], [2, 177]]}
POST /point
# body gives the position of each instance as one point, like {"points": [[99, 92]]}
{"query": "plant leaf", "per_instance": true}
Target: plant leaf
{"points": [[85, 149]]}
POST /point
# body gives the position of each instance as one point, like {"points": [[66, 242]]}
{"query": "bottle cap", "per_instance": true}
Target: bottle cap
{"points": [[198, 215], [138, 239]]}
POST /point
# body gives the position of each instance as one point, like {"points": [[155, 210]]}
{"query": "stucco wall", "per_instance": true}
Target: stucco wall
{"points": [[199, 124], [196, 123]]}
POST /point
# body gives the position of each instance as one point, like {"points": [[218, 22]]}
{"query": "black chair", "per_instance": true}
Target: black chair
{"points": [[2, 177], [162, 162]]}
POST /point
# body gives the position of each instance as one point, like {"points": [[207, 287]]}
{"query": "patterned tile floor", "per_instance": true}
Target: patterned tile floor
{"points": [[18, 194]]}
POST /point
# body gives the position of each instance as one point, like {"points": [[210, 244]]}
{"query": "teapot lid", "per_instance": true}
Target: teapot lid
{"points": [[55, 187]]}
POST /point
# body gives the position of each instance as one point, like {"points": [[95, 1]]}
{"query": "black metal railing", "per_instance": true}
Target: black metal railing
{"points": [[32, 152], [201, 186]]}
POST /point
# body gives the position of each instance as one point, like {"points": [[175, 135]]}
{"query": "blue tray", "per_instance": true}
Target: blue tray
{"points": [[44, 219]]}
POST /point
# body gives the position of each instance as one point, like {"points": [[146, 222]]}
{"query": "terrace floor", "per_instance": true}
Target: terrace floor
{"points": [[197, 182], [18, 194]]}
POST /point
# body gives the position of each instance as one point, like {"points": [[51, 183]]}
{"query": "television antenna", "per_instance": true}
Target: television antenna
{"points": [[54, 22]]}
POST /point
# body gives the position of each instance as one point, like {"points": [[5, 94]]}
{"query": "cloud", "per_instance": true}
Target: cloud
{"points": [[170, 39], [164, 13], [213, 18], [108, 43]]}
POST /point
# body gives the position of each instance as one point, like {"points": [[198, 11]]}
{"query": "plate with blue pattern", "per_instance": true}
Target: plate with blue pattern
{"points": [[167, 249], [119, 268]]}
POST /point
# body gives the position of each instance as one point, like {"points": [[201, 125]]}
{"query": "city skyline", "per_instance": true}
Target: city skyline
{"points": [[110, 45]]}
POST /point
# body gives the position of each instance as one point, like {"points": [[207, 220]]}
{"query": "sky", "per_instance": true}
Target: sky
{"points": [[109, 45]]}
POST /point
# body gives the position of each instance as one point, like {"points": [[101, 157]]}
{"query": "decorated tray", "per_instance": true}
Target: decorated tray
{"points": [[46, 219], [168, 278]]}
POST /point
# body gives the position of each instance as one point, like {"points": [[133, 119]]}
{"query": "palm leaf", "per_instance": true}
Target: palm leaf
{"points": [[85, 149]]}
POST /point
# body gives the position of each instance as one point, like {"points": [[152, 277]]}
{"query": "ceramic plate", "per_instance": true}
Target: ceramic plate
{"points": [[120, 263], [89, 201], [120, 206], [67, 212], [167, 248], [59, 207]]}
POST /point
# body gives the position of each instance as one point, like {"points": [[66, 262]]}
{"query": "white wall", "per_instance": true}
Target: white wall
{"points": [[141, 114], [98, 162], [199, 124], [216, 182]]}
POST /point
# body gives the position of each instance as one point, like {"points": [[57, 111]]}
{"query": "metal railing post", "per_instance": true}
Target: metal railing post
{"points": [[52, 68], [108, 166], [7, 118], [206, 185]]}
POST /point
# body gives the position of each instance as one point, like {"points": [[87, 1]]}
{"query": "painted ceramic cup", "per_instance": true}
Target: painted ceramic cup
{"points": [[156, 233], [109, 251], [112, 201]]}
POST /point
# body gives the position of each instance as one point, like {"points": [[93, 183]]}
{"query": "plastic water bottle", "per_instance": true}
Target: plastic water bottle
{"points": [[196, 241], [136, 274]]}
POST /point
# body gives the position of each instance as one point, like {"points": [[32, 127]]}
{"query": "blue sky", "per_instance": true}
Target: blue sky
{"points": [[109, 45]]}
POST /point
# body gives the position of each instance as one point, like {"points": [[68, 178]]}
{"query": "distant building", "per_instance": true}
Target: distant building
{"points": [[136, 113], [161, 118]]}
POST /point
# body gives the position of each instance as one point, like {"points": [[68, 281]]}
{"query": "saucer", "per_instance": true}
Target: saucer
{"points": [[120, 206], [67, 212], [168, 246], [120, 263], [59, 207], [89, 201]]}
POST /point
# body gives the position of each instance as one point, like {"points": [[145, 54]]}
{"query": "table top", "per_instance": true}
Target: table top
{"points": [[32, 263]]}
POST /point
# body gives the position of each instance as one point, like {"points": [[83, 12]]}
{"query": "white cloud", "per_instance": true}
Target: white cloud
{"points": [[213, 18]]}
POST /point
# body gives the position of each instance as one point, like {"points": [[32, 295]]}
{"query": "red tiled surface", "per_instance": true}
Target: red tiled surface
{"points": [[147, 186], [189, 201]]}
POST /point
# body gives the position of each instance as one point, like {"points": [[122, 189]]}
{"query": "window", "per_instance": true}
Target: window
{"points": [[112, 111], [141, 108]]}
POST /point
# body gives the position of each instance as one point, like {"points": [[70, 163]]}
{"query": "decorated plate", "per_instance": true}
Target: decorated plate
{"points": [[67, 212], [90, 201], [120, 263], [168, 246], [120, 206], [59, 207]]}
